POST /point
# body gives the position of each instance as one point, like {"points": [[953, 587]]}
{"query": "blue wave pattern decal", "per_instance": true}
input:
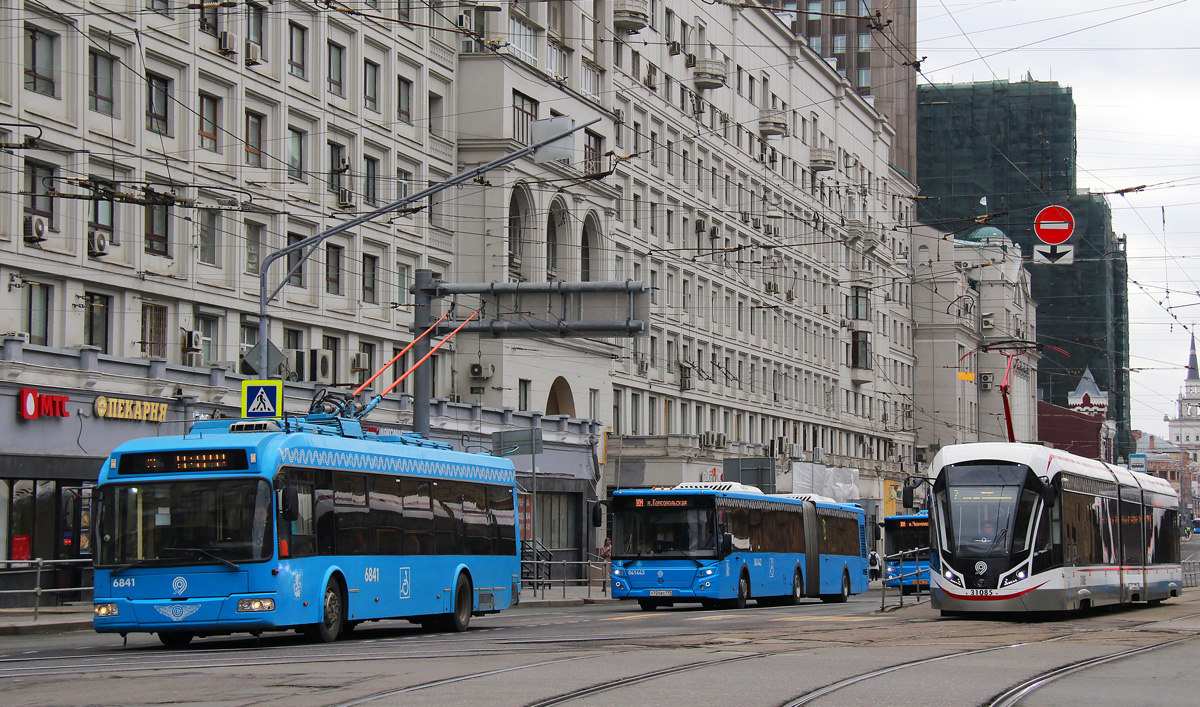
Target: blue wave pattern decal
{"points": [[364, 461]]}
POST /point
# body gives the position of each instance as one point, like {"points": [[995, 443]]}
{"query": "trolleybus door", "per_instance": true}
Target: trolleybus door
{"points": [[812, 551]]}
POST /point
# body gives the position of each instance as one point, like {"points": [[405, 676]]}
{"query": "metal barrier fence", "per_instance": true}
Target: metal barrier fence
{"points": [[40, 569], [903, 576], [595, 573], [1191, 573]]}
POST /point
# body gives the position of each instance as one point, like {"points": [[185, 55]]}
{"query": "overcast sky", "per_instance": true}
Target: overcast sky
{"points": [[1134, 68]]}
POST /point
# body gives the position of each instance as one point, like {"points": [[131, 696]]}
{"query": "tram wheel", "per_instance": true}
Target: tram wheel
{"points": [[174, 639]]}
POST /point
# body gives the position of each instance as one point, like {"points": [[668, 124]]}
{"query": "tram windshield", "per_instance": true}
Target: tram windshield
{"points": [[664, 526], [184, 523], [987, 509]]}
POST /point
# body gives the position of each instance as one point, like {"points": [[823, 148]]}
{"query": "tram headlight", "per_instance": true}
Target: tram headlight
{"points": [[256, 605], [105, 610], [1014, 578], [952, 577]]}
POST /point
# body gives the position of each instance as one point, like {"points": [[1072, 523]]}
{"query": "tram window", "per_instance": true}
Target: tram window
{"points": [[1132, 550], [1022, 528]]}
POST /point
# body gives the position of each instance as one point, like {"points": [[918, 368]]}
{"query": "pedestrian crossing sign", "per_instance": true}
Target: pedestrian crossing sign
{"points": [[262, 399]]}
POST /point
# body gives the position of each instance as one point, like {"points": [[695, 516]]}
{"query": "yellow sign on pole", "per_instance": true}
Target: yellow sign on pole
{"points": [[262, 399], [966, 376]]}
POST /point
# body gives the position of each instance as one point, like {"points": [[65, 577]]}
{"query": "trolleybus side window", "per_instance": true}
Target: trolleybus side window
{"points": [[352, 514], [502, 512], [387, 517], [476, 527], [418, 517], [447, 518], [323, 513]]}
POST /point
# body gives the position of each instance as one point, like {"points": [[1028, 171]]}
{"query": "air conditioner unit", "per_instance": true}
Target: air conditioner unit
{"points": [[690, 60], [345, 198], [700, 226], [795, 451], [320, 366], [719, 441], [674, 47], [649, 81], [482, 371], [191, 340], [818, 455], [985, 380], [745, 217], [191, 359], [253, 54], [921, 455], [360, 362], [714, 233], [36, 228], [790, 295], [97, 244], [227, 43], [685, 377], [297, 363], [643, 366], [620, 115], [706, 439], [987, 321]]}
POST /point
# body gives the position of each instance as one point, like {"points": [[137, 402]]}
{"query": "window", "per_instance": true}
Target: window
{"points": [[296, 154], [522, 41], [255, 127], [860, 349], [100, 82], [209, 18], [154, 330], [404, 89], [209, 346], [158, 91], [39, 182], [330, 343], [254, 244], [39, 60], [338, 165], [294, 264], [100, 209], [333, 269], [96, 310], [589, 84], [556, 61], [864, 42], [864, 78], [404, 8], [403, 277], [210, 223], [370, 278], [815, 42], [35, 312], [371, 180], [525, 111], [404, 179], [371, 85], [839, 44], [255, 19], [209, 106], [158, 228], [337, 60], [297, 39], [160, 6], [593, 148], [524, 388]]}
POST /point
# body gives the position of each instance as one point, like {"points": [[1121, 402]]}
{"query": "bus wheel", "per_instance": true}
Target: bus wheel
{"points": [[648, 604], [464, 601], [172, 639], [743, 594], [797, 587], [330, 626], [839, 598]]}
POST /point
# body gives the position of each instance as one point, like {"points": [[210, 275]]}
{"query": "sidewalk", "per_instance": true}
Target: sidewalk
{"points": [[78, 616]]}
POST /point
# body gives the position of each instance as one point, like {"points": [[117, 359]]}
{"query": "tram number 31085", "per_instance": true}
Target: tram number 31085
{"points": [[982, 592]]}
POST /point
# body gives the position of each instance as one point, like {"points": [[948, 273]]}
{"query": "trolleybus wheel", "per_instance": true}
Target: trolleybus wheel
{"points": [[797, 587], [332, 613], [174, 639], [647, 604]]}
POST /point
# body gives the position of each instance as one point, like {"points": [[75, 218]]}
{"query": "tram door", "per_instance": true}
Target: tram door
{"points": [[812, 551]]}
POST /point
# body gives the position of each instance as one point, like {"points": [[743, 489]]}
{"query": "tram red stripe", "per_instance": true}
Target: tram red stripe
{"points": [[978, 597]]}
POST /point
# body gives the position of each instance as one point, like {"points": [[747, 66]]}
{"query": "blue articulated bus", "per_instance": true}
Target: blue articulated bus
{"points": [[305, 523], [906, 533], [721, 544]]}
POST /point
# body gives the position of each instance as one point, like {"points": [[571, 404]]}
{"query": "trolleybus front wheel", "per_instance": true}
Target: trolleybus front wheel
{"points": [[332, 615], [174, 639]]}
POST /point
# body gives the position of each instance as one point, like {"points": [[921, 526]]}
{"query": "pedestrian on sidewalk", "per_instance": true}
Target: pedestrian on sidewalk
{"points": [[873, 565]]}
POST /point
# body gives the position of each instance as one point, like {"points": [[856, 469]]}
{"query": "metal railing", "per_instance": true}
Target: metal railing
{"points": [[1191, 573], [595, 573], [916, 555], [39, 568]]}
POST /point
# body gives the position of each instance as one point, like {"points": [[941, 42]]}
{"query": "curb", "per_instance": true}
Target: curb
{"points": [[31, 629], [558, 603]]}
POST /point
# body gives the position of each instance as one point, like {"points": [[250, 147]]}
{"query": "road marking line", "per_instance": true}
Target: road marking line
{"points": [[626, 618], [824, 618], [713, 618]]}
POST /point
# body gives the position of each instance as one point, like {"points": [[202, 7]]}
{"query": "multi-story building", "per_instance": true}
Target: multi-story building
{"points": [[999, 152], [969, 294], [732, 169]]}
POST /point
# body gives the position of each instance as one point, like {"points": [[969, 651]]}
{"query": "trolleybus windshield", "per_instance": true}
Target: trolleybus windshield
{"points": [[664, 526], [184, 523]]}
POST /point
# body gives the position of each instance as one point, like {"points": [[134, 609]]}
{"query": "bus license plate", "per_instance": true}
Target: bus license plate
{"points": [[661, 592]]}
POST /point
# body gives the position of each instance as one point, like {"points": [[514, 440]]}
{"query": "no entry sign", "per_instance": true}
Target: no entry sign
{"points": [[1054, 225]]}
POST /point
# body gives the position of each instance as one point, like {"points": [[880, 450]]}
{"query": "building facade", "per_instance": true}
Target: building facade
{"points": [[999, 152]]}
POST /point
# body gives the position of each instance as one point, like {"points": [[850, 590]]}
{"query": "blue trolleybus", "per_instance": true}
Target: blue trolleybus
{"points": [[307, 523], [721, 544], [905, 534], [1022, 527]]}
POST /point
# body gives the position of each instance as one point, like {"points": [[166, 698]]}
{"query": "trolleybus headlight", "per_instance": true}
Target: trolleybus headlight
{"points": [[105, 610], [256, 605]]}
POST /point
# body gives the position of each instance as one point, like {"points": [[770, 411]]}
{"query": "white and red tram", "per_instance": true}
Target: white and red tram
{"points": [[1021, 527]]}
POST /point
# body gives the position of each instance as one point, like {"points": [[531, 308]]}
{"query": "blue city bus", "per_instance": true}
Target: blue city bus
{"points": [[721, 544], [903, 533], [308, 523]]}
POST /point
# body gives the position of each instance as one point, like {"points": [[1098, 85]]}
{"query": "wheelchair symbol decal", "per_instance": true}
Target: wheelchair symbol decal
{"points": [[405, 582]]}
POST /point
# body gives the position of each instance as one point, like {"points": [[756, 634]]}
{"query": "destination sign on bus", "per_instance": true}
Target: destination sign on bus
{"points": [[183, 461], [913, 524]]}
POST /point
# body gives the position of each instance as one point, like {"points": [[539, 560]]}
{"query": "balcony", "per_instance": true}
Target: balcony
{"points": [[710, 73], [772, 122], [862, 376], [631, 15], [821, 159]]}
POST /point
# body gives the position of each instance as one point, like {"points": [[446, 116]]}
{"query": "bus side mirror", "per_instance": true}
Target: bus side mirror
{"points": [[908, 500], [291, 503], [726, 544], [597, 514]]}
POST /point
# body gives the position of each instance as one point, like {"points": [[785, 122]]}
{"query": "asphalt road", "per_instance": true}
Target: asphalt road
{"points": [[614, 654]]}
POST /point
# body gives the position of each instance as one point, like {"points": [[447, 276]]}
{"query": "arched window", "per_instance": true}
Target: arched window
{"points": [[590, 264], [556, 234], [519, 209]]}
